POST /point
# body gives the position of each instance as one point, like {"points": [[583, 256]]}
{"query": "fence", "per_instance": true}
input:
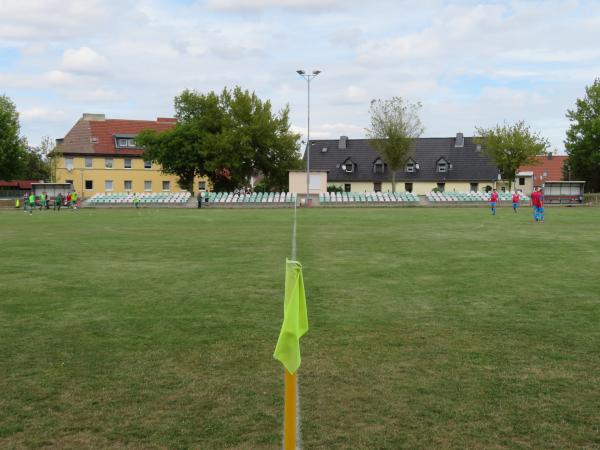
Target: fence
{"points": [[10, 194], [592, 199]]}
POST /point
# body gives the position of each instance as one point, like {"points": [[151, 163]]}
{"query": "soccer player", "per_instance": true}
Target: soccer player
{"points": [[74, 199], [493, 201], [515, 201], [58, 201], [537, 201], [31, 202], [42, 201]]}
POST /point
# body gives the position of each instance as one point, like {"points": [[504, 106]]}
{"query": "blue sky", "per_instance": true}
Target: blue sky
{"points": [[469, 63]]}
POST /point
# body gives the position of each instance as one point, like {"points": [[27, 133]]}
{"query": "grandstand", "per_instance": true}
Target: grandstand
{"points": [[465, 197], [152, 198], [367, 198], [252, 199]]}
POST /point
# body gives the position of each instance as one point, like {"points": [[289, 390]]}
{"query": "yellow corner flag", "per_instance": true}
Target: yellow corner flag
{"points": [[295, 320]]}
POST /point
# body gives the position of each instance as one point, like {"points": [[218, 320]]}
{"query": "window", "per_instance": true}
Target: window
{"points": [[69, 163], [131, 142], [474, 187], [69, 182], [147, 185], [89, 185], [410, 166], [166, 185], [88, 162], [347, 187], [348, 167], [108, 163], [408, 187], [442, 166], [108, 185], [521, 181], [378, 166], [202, 185], [441, 187], [147, 164], [121, 142], [503, 189], [127, 185], [377, 187], [127, 163]]}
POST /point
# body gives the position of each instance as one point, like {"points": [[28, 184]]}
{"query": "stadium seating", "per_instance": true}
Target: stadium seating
{"points": [[337, 198], [462, 197], [126, 198], [253, 199]]}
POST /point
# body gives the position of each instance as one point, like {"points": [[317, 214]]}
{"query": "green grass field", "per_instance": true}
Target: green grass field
{"points": [[429, 328]]}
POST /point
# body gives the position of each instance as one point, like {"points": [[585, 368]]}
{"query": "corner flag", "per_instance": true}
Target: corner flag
{"points": [[295, 320]]}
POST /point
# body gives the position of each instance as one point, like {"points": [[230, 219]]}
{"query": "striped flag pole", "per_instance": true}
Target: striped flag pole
{"points": [[289, 419]]}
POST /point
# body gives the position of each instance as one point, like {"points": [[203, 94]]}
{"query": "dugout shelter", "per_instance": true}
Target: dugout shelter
{"points": [[563, 192]]}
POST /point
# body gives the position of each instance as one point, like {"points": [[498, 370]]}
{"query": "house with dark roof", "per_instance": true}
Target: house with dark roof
{"points": [[448, 164], [99, 155]]}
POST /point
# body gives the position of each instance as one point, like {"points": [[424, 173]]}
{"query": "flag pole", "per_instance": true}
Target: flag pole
{"points": [[289, 420]]}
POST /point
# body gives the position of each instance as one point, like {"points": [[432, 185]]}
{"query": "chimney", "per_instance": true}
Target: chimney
{"points": [[549, 155], [343, 144], [94, 117], [460, 141]]}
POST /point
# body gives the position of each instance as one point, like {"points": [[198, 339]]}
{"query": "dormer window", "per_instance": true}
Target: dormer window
{"points": [[125, 142], [442, 166], [348, 166], [378, 166], [411, 166]]}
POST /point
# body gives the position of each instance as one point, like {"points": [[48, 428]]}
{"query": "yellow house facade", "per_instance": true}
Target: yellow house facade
{"points": [[99, 155], [91, 175]]}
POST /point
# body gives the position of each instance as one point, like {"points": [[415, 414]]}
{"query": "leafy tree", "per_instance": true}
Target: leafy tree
{"points": [[511, 146], [583, 138], [12, 146], [39, 161], [395, 124], [228, 138]]}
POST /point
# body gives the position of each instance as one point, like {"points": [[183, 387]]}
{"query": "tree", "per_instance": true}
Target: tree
{"points": [[511, 146], [227, 138], [394, 125], [12, 146], [39, 161], [583, 138]]}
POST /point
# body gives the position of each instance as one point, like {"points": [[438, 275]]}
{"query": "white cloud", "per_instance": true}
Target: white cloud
{"points": [[83, 61], [39, 20], [293, 5], [41, 114], [468, 63]]}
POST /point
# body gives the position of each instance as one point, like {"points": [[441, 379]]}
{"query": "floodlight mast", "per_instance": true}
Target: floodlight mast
{"points": [[308, 77]]}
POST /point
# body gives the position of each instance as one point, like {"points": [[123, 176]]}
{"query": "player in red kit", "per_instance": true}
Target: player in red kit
{"points": [[493, 201], [516, 201], [537, 201]]}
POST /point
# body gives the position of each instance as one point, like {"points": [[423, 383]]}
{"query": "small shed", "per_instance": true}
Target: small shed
{"points": [[52, 189], [563, 192]]}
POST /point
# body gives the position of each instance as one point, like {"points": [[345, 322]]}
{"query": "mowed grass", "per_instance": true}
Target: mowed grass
{"points": [[429, 328]]}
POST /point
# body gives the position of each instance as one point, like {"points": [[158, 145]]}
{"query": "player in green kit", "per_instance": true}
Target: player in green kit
{"points": [[31, 202], [74, 200]]}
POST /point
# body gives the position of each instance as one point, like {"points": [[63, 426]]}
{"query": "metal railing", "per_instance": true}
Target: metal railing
{"points": [[592, 199]]}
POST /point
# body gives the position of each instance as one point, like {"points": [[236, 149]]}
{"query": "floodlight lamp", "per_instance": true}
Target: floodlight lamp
{"points": [[316, 72], [300, 72], [343, 166]]}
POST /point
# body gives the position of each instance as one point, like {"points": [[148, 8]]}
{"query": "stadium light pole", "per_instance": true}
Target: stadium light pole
{"points": [[308, 77]]}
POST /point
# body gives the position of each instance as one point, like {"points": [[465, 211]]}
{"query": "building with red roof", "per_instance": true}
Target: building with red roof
{"points": [[548, 168], [100, 155]]}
